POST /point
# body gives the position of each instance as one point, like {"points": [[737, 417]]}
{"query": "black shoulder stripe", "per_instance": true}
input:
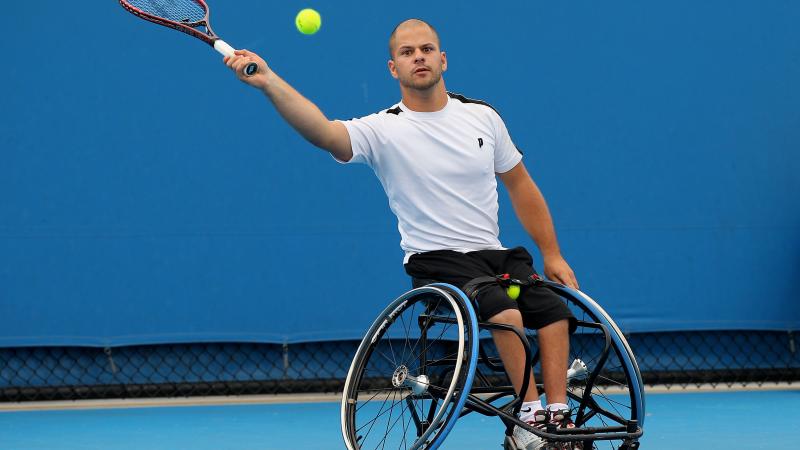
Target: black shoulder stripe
{"points": [[464, 99], [396, 111]]}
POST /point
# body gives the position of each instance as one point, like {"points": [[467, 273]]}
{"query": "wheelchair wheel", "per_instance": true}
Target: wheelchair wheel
{"points": [[412, 372], [604, 386]]}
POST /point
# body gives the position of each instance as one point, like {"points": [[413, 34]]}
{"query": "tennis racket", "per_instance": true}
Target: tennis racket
{"points": [[188, 16]]}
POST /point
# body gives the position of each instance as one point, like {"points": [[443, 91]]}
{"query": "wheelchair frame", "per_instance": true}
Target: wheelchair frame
{"points": [[436, 389]]}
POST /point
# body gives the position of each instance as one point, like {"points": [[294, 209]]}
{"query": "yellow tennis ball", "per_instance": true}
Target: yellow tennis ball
{"points": [[513, 291], [308, 21]]}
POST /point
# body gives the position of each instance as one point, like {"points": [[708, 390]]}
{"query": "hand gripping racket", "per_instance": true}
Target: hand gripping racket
{"points": [[188, 16]]}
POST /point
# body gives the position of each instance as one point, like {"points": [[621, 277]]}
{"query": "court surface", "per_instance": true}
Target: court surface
{"points": [[685, 420]]}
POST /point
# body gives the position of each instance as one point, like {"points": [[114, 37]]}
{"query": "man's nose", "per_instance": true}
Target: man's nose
{"points": [[419, 56]]}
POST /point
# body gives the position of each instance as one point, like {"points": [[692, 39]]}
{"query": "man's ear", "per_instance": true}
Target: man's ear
{"points": [[444, 62], [392, 68]]}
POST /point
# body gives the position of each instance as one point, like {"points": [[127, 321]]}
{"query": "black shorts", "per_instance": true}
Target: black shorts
{"points": [[539, 305]]}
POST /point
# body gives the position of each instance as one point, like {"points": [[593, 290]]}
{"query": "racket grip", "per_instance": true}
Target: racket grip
{"points": [[223, 47]]}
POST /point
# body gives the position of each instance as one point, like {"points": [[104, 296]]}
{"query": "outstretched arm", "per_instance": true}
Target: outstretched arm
{"points": [[303, 115], [531, 209]]}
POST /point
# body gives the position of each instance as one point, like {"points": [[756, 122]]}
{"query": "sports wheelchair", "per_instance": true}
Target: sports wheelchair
{"points": [[423, 364]]}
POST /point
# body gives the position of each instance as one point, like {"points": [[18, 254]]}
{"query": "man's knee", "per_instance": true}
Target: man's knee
{"points": [[508, 317], [560, 326]]}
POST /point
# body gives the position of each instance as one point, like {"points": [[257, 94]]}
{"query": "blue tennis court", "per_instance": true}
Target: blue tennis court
{"points": [[739, 420]]}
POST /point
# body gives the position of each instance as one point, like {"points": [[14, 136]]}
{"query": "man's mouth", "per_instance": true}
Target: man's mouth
{"points": [[421, 69]]}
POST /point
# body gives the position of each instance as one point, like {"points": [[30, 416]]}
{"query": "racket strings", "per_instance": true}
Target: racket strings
{"points": [[186, 11]]}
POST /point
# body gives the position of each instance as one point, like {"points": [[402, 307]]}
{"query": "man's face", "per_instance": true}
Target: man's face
{"points": [[417, 62]]}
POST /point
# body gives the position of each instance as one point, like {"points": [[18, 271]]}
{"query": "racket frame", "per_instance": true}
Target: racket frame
{"points": [[192, 29]]}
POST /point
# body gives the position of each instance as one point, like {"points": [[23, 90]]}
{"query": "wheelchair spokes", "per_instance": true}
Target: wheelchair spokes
{"points": [[409, 374]]}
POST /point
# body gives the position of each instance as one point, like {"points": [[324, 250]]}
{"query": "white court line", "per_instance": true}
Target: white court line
{"points": [[316, 398], [169, 401], [721, 387]]}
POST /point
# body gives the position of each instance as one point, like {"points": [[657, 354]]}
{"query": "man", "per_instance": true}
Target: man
{"points": [[437, 156]]}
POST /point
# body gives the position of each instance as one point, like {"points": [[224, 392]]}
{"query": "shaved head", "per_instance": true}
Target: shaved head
{"points": [[410, 24]]}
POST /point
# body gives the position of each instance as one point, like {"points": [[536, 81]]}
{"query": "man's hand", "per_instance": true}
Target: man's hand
{"points": [[557, 269], [240, 60]]}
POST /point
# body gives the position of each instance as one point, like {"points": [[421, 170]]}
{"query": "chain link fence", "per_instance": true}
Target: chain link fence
{"points": [[677, 360]]}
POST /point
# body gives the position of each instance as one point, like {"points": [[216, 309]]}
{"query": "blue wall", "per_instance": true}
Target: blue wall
{"points": [[147, 196]]}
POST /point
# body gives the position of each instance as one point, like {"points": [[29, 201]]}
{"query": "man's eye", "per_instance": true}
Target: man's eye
{"points": [[427, 49]]}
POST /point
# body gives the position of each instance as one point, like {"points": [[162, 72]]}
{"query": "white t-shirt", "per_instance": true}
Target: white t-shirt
{"points": [[438, 171]]}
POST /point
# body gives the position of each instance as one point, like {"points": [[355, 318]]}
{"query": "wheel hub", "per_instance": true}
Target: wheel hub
{"points": [[401, 378]]}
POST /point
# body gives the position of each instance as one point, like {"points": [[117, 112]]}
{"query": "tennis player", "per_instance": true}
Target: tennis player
{"points": [[438, 156]]}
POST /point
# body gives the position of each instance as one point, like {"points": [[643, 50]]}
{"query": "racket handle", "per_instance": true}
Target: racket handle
{"points": [[223, 47]]}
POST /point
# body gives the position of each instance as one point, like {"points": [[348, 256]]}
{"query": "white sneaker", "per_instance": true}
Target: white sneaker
{"points": [[525, 440]]}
